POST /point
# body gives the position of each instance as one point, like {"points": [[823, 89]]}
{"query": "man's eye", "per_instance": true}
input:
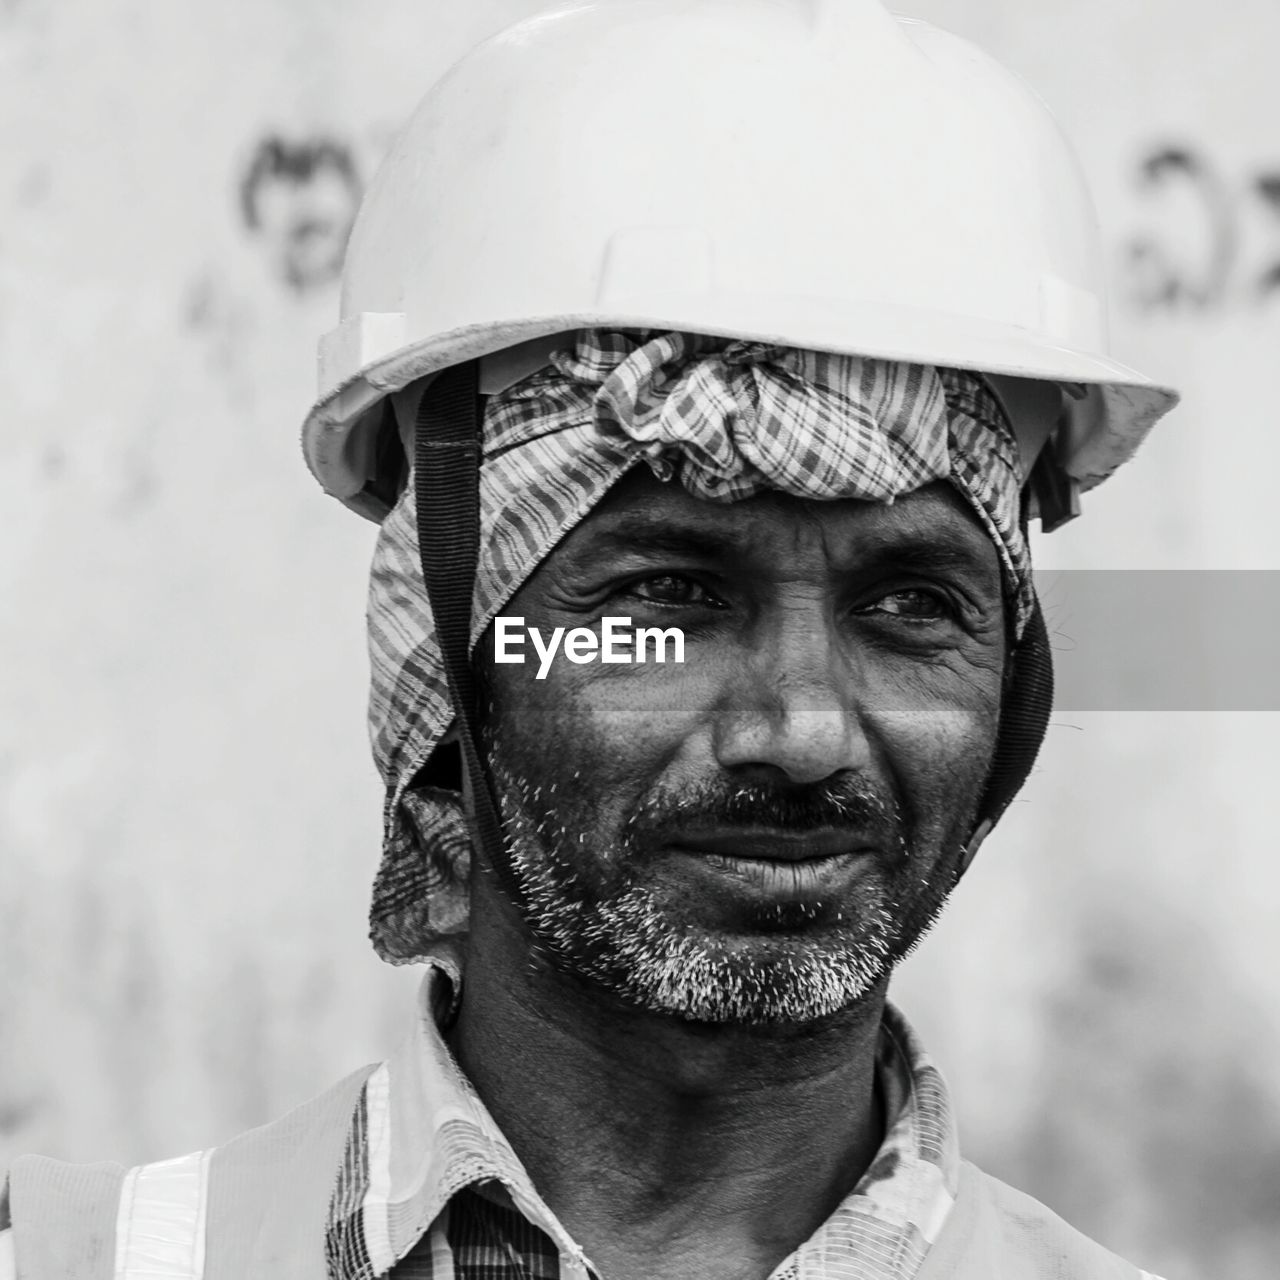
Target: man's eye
{"points": [[913, 606], [672, 589]]}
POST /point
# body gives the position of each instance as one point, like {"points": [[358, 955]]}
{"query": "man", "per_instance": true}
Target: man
{"points": [[772, 321]]}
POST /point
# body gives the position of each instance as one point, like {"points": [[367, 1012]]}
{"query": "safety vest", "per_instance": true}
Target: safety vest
{"points": [[256, 1209]]}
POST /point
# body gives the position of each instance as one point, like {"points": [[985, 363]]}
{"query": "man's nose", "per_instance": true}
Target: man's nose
{"points": [[794, 706]]}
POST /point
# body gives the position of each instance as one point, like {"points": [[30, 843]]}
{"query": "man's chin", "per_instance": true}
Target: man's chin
{"points": [[781, 976]]}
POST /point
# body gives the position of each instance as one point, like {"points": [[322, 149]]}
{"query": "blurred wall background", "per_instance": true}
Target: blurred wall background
{"points": [[188, 817]]}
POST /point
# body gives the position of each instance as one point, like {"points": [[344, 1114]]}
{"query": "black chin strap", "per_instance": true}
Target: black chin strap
{"points": [[1024, 720], [447, 456]]}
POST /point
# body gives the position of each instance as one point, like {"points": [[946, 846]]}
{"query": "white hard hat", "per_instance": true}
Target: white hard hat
{"points": [[813, 173]]}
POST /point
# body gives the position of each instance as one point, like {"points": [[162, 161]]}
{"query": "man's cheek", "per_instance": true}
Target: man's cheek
{"points": [[941, 755], [939, 731], [655, 708], [549, 741], [624, 726]]}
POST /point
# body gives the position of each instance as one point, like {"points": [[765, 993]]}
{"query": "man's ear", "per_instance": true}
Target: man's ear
{"points": [[980, 833]]}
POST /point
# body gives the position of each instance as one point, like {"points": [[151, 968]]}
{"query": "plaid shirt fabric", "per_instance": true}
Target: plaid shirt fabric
{"points": [[724, 418], [431, 1190]]}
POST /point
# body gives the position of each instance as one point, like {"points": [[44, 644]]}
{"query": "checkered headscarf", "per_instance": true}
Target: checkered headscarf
{"points": [[727, 419]]}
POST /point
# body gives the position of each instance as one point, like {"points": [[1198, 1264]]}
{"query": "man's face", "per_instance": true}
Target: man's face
{"points": [[756, 835]]}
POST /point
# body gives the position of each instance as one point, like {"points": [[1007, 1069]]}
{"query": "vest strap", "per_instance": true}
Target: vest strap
{"points": [[160, 1228]]}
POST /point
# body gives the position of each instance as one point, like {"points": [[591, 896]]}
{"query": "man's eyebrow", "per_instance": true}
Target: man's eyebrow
{"points": [[910, 552], [641, 534], [916, 554]]}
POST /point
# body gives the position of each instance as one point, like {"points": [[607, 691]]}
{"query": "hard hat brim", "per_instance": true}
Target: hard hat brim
{"points": [[1112, 412]]}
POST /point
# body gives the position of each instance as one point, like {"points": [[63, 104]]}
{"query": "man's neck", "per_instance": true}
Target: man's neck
{"points": [[667, 1149]]}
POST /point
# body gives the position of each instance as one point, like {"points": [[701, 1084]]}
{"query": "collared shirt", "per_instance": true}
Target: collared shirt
{"points": [[430, 1188]]}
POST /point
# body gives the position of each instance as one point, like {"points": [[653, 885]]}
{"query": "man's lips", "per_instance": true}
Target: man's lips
{"points": [[766, 844], [820, 864]]}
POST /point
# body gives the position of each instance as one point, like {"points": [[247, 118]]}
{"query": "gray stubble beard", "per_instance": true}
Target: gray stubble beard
{"points": [[626, 943]]}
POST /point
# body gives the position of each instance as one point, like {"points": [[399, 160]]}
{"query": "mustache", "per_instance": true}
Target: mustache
{"points": [[847, 804]]}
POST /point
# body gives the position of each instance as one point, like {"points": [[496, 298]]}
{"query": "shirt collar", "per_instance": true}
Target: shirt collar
{"points": [[421, 1134]]}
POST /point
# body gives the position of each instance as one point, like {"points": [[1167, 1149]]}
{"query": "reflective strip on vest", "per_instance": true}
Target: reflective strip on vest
{"points": [[376, 1203], [160, 1227]]}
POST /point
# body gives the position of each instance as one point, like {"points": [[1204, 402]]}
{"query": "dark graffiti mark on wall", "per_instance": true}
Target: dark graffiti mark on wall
{"points": [[1211, 237], [1187, 258], [1267, 188], [300, 197]]}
